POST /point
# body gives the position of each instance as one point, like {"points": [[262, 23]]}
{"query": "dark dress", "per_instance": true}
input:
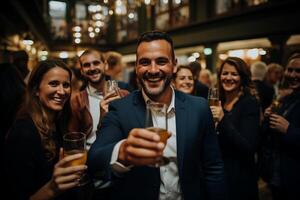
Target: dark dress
{"points": [[238, 138], [285, 148], [26, 164]]}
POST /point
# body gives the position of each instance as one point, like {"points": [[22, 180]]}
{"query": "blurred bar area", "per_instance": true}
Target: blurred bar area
{"points": [[203, 30]]}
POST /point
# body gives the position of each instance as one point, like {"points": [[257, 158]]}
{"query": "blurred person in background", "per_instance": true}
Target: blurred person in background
{"points": [[265, 91], [238, 119], [273, 76], [114, 68], [20, 60], [281, 137], [11, 96], [79, 82], [114, 65], [200, 89], [183, 79], [34, 162], [205, 77]]}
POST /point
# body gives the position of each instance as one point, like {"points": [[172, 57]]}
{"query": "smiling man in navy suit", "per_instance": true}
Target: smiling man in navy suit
{"points": [[124, 150]]}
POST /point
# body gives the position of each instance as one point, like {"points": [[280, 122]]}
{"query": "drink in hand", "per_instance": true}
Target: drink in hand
{"points": [[213, 102], [76, 162], [163, 133]]}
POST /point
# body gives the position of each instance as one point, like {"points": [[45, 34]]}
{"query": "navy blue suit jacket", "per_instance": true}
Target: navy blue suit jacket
{"points": [[200, 166]]}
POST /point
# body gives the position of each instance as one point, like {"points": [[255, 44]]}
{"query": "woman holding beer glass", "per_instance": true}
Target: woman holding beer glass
{"points": [[237, 117], [35, 164]]}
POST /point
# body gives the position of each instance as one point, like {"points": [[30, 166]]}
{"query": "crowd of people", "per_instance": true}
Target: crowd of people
{"points": [[217, 151]]}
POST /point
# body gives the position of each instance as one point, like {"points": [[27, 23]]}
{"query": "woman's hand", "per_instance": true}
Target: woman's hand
{"points": [[278, 123], [217, 112], [268, 112], [65, 177]]}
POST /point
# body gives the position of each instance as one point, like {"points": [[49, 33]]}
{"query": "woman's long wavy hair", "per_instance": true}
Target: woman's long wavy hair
{"points": [[33, 107], [247, 86]]}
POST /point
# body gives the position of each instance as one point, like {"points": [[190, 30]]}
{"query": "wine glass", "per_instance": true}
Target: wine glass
{"points": [[74, 143], [213, 98], [157, 121]]}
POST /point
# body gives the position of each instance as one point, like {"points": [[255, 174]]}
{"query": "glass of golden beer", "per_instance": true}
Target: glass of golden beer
{"points": [[157, 121], [213, 98], [74, 143]]}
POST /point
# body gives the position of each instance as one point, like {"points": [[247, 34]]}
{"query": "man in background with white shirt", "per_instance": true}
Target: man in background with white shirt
{"points": [[125, 152]]}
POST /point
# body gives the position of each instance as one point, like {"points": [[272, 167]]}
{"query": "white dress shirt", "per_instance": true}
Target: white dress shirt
{"points": [[169, 187], [94, 101]]}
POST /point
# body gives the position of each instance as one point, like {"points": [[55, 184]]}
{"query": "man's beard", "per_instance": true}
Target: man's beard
{"points": [[149, 91], [95, 71]]}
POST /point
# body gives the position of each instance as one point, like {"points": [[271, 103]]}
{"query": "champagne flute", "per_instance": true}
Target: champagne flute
{"points": [[213, 98], [74, 143], [157, 121], [275, 105]]}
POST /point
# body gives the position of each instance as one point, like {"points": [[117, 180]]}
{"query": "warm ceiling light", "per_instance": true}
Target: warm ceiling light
{"points": [[77, 40], [63, 54], [27, 42], [99, 23], [77, 35], [196, 55], [77, 28], [131, 15], [177, 1], [207, 51], [92, 34], [97, 30], [90, 29], [147, 2], [110, 12]]}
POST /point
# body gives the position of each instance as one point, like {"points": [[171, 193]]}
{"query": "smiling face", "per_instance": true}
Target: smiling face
{"points": [[184, 81], [54, 89], [230, 79], [92, 67], [292, 73], [154, 67]]}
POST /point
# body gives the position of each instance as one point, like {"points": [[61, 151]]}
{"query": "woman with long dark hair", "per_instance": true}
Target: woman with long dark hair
{"points": [[238, 116], [34, 162]]}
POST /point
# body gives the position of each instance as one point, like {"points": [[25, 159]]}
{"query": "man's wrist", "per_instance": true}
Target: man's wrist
{"points": [[122, 154]]}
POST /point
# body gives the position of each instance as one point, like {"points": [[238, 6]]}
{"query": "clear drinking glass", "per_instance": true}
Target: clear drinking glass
{"points": [[111, 88], [73, 143], [213, 98], [157, 121]]}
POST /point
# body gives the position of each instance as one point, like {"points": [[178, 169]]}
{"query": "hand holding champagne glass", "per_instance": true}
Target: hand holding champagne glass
{"points": [[157, 121], [213, 100]]}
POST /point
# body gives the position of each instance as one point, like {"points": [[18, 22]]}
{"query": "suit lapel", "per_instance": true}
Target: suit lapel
{"points": [[181, 124], [139, 109]]}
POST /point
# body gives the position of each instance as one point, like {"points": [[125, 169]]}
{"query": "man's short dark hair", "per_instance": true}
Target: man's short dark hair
{"points": [[90, 51], [157, 35]]}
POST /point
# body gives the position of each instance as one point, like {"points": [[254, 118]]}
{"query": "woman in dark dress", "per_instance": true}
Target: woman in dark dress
{"points": [[281, 137], [34, 164], [238, 117]]}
